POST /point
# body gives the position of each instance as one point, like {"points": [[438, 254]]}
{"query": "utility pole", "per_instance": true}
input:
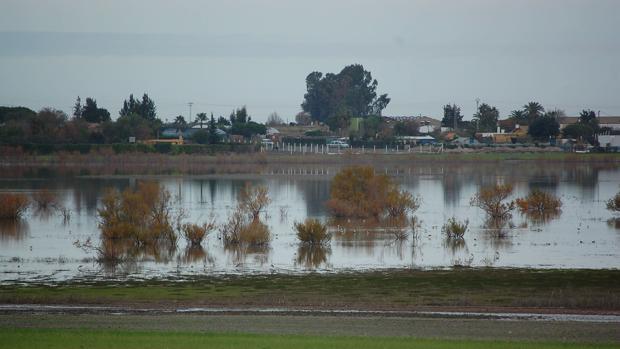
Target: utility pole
{"points": [[189, 117], [477, 111]]}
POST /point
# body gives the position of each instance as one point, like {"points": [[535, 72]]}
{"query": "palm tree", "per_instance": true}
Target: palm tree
{"points": [[180, 123], [533, 110], [519, 116], [201, 118]]}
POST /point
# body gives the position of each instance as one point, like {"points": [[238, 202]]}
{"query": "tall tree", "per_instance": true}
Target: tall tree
{"points": [[533, 110], [213, 136], [588, 117], [519, 117], [451, 112], [145, 107], [180, 123], [544, 127], [335, 98], [201, 118], [486, 118], [92, 113], [77, 108]]}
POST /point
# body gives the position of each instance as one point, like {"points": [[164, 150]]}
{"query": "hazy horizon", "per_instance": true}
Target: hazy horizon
{"points": [[221, 55]]}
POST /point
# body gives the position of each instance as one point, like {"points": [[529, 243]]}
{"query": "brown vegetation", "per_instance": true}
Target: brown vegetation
{"points": [[195, 233], [253, 199], [143, 215], [13, 205], [455, 229], [539, 201], [613, 204], [492, 201], [312, 232], [358, 192]]}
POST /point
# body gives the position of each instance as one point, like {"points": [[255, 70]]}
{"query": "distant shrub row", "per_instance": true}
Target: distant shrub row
{"points": [[121, 148]]}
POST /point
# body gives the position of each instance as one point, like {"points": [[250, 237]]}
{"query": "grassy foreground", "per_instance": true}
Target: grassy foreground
{"points": [[398, 289], [29, 338]]}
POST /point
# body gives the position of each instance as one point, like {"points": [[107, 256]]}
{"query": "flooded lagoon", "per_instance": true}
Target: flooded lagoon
{"points": [[40, 247]]}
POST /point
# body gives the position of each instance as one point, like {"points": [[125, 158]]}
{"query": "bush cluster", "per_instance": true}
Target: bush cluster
{"points": [[455, 229], [538, 201], [312, 231], [493, 201], [244, 226], [613, 204], [143, 215], [358, 192]]}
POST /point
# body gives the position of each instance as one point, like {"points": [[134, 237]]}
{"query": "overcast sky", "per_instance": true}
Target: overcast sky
{"points": [[223, 54]]}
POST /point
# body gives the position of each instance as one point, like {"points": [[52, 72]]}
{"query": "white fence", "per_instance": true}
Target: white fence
{"points": [[330, 149]]}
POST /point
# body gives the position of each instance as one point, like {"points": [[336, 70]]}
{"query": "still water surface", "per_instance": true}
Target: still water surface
{"points": [[585, 235]]}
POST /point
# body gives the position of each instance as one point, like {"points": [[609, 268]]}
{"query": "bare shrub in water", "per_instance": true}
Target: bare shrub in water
{"points": [[196, 233], [455, 229], [253, 199], [13, 206], [493, 201], [358, 192], [313, 232], [539, 201], [144, 215], [613, 204], [240, 230]]}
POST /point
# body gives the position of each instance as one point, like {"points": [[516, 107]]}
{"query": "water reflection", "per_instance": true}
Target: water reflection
{"points": [[241, 255], [13, 229], [195, 254], [312, 256], [614, 223]]}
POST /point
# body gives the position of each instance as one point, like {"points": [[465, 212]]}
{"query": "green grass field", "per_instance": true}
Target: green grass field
{"points": [[30, 338], [572, 289]]}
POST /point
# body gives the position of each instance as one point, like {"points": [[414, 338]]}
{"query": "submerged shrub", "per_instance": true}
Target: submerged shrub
{"points": [[144, 214], [613, 204], [492, 201], [12, 205], [539, 201], [255, 234], [253, 199], [358, 192], [240, 230], [313, 232], [195, 233], [455, 229]]}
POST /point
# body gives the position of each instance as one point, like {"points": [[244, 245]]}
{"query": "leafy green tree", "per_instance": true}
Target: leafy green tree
{"points": [[92, 113], [451, 112], [180, 123], [16, 114], [222, 121], [213, 136], [335, 98], [48, 126], [486, 118], [132, 125], [544, 128], [248, 129], [406, 128], [519, 117], [533, 110], [239, 115], [201, 118], [201, 137], [580, 132], [77, 108], [588, 117], [145, 107]]}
